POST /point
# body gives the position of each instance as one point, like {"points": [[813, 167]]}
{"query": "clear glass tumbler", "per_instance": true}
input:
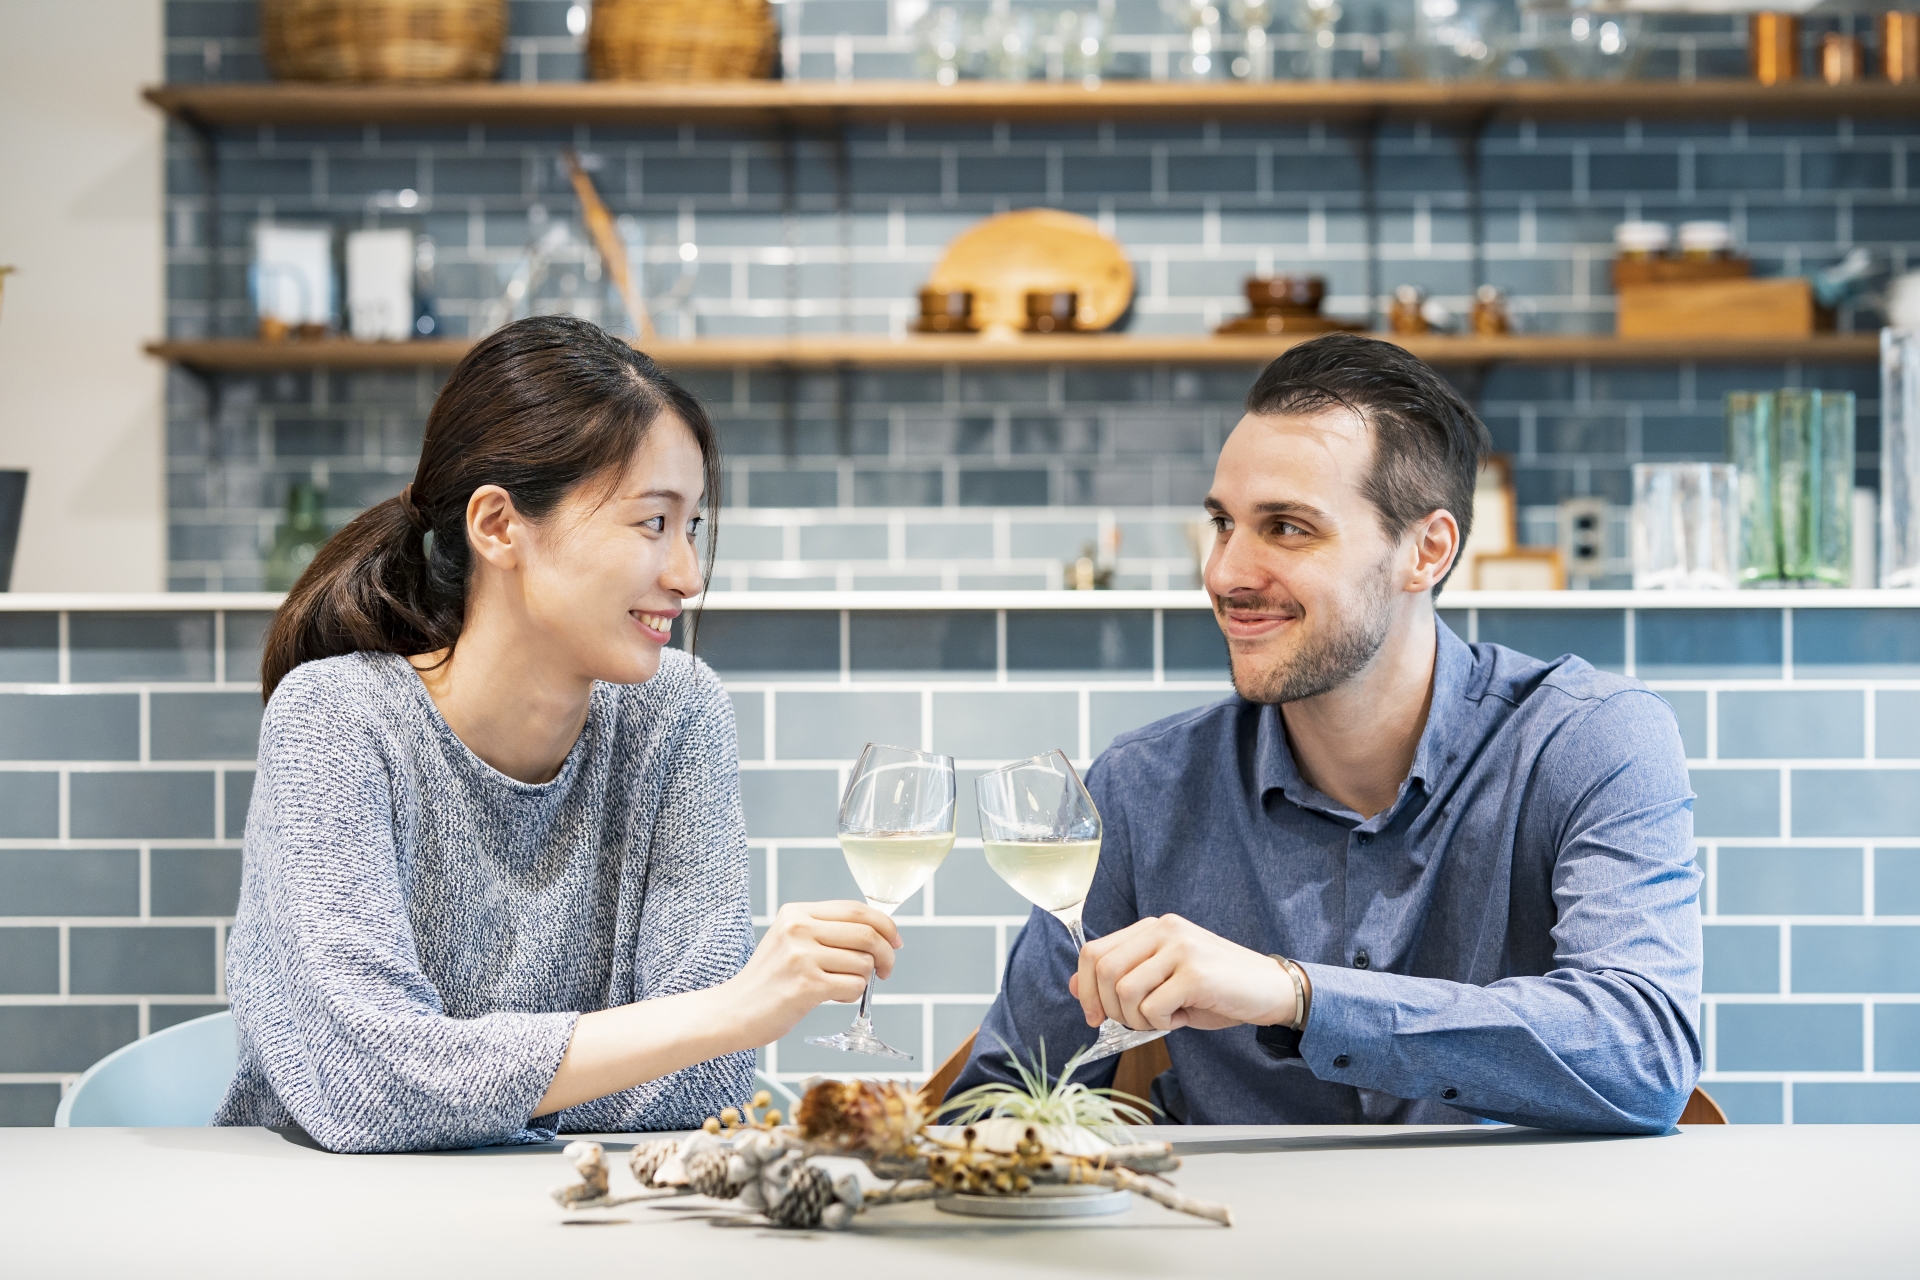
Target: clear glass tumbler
{"points": [[1686, 526], [1900, 458]]}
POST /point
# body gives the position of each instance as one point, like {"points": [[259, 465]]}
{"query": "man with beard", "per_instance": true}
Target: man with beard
{"points": [[1399, 878]]}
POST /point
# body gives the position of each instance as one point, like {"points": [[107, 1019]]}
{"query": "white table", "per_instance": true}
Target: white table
{"points": [[1334, 1203]]}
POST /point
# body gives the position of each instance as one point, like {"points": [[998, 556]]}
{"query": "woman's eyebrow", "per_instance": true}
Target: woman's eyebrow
{"points": [[671, 495]]}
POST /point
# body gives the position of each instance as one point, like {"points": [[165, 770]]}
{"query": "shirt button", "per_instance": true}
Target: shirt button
{"points": [[1450, 1094], [1366, 837], [1361, 959], [1341, 1061]]}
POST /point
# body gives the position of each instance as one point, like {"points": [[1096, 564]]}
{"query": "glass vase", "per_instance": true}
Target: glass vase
{"points": [[1794, 451], [1900, 458], [1686, 526]]}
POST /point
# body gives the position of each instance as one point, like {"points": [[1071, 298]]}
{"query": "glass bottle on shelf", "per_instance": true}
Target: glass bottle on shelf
{"points": [[1900, 458], [300, 534]]}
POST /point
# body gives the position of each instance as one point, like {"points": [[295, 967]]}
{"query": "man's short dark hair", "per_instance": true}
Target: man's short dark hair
{"points": [[1428, 444]]}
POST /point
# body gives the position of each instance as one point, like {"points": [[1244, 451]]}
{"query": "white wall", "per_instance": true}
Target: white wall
{"points": [[80, 216]]}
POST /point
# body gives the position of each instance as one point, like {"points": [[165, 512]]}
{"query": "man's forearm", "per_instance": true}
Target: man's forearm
{"points": [[1598, 1051]]}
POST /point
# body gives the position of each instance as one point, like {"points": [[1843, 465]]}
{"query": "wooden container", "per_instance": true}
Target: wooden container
{"points": [[946, 311], [1900, 47], [1773, 308], [1841, 59], [1773, 47], [1286, 293], [1632, 271], [1053, 311], [383, 40], [681, 40]]}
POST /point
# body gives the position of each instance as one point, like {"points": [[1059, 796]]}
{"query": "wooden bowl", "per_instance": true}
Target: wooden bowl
{"points": [[1003, 259], [1053, 311], [946, 311], [1286, 293]]}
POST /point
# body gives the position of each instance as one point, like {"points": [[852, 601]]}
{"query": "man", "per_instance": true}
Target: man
{"points": [[1399, 879]]}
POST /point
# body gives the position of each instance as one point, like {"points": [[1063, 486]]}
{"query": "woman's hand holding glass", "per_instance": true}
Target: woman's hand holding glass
{"points": [[812, 953]]}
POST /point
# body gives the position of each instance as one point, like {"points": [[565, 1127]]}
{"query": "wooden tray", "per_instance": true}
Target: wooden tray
{"points": [[1005, 257]]}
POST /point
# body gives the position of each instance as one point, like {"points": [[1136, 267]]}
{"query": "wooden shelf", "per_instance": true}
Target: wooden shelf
{"points": [[241, 355], [819, 102]]}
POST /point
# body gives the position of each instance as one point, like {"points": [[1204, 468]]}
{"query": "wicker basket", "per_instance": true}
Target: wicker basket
{"points": [[383, 39], [682, 39]]}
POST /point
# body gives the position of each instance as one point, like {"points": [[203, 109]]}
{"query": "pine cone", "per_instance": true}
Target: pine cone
{"points": [[647, 1159], [809, 1192], [707, 1172]]}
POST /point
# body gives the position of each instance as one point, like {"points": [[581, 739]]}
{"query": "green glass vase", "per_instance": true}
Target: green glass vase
{"points": [[1794, 451]]}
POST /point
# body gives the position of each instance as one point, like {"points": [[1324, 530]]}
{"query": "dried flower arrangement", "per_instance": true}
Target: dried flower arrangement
{"points": [[1014, 1139]]}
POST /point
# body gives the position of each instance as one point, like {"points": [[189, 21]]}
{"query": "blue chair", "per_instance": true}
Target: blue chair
{"points": [[176, 1078], [172, 1079]]}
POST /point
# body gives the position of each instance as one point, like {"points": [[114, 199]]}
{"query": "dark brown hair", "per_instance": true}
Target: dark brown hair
{"points": [[1427, 444], [539, 408]]}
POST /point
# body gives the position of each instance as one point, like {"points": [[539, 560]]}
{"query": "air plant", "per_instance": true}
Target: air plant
{"points": [[1059, 1107]]}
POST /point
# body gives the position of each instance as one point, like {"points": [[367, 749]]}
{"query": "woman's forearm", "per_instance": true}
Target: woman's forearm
{"points": [[616, 1049]]}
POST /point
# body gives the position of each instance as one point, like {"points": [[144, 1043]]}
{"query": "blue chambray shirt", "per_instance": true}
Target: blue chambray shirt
{"points": [[1517, 938]]}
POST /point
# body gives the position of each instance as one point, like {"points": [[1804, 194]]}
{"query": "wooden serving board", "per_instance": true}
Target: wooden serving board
{"points": [[1031, 250], [1774, 308]]}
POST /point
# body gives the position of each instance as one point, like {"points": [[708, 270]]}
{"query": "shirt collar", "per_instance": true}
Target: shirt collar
{"points": [[1439, 748]]}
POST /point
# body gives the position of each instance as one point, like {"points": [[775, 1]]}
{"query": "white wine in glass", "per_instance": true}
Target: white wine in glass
{"points": [[896, 828], [1042, 836]]}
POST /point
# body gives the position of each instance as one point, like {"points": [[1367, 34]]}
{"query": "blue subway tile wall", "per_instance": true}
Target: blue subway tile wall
{"points": [[726, 244], [119, 873]]}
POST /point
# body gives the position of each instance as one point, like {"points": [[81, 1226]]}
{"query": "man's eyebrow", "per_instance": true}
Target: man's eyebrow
{"points": [[1304, 511]]}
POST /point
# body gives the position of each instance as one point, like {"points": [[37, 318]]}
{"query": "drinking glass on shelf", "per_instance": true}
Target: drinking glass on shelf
{"points": [[1686, 526], [1042, 836], [896, 828]]}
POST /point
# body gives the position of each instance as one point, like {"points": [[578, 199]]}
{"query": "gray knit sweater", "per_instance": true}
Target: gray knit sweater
{"points": [[418, 933]]}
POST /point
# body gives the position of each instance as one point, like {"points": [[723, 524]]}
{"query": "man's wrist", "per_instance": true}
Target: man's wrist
{"points": [[1302, 993]]}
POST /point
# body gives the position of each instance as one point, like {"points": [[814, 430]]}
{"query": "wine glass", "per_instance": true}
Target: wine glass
{"points": [[896, 828], [1042, 836]]}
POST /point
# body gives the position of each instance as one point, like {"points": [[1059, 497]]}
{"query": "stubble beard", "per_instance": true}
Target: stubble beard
{"points": [[1326, 657]]}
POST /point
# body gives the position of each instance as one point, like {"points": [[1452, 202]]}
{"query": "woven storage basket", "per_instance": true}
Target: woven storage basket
{"points": [[383, 39], [682, 39]]}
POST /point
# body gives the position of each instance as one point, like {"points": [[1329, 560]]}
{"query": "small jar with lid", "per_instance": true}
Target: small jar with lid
{"points": [[1642, 241], [1706, 241]]}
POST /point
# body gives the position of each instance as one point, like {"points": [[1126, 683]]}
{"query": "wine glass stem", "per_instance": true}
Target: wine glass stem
{"points": [[1079, 934], [861, 1019]]}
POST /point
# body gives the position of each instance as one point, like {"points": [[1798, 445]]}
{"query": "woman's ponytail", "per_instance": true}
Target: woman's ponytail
{"points": [[538, 407]]}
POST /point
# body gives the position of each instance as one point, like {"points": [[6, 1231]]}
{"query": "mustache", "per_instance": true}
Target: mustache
{"points": [[1258, 604]]}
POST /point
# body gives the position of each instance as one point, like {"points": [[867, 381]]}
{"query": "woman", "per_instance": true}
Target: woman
{"points": [[495, 873]]}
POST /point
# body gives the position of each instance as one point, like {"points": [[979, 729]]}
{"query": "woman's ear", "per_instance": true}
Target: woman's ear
{"points": [[495, 531]]}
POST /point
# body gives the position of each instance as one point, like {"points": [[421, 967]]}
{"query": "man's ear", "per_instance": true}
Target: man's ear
{"points": [[1433, 545]]}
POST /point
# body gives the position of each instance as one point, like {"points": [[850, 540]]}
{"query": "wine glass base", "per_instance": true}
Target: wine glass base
{"points": [[858, 1042], [1117, 1037]]}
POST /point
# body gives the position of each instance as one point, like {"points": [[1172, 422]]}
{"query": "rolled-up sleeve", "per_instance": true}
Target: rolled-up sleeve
{"points": [[1606, 1039]]}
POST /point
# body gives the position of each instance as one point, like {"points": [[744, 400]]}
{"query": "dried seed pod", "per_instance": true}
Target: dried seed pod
{"points": [[707, 1171], [648, 1157]]}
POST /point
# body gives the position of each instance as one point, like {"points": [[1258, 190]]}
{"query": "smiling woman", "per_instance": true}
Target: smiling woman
{"points": [[495, 878]]}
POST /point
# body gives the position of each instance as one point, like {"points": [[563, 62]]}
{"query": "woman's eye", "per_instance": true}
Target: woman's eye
{"points": [[693, 526], [658, 524]]}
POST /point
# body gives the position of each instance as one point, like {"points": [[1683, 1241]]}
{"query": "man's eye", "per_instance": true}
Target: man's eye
{"points": [[1288, 529], [1220, 524]]}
